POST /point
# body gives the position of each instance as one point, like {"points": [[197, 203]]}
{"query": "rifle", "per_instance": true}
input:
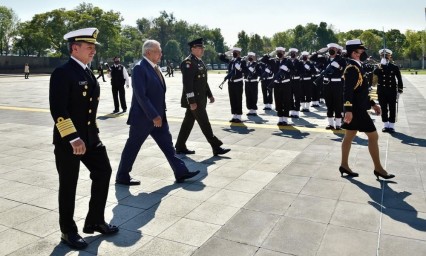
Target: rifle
{"points": [[321, 76], [227, 77]]}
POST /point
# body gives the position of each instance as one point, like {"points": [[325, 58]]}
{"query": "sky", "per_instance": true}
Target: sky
{"points": [[265, 17]]}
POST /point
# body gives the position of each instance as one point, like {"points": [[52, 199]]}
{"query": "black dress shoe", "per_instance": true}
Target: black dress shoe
{"points": [[387, 176], [267, 108], [385, 129], [124, 110], [349, 173], [187, 176], [282, 123], [329, 127], [74, 240], [221, 151], [115, 111], [391, 130], [185, 151], [338, 128], [106, 229], [237, 121], [131, 182]]}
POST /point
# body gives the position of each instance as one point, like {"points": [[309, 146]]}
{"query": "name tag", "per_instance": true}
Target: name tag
{"points": [[82, 82]]}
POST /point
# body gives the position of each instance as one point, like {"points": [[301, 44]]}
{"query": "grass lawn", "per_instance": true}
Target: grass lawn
{"points": [[412, 71]]}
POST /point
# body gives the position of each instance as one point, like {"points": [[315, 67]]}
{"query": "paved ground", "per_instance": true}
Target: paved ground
{"points": [[278, 192]]}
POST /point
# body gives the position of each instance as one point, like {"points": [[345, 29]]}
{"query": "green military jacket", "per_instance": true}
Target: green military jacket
{"points": [[194, 78]]}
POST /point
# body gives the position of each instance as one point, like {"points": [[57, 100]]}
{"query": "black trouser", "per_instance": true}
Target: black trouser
{"points": [[199, 114], [334, 99], [101, 75], [283, 99], [27, 74], [68, 166], [235, 90], [267, 92], [118, 90], [306, 92], [251, 94], [296, 92], [387, 101]]}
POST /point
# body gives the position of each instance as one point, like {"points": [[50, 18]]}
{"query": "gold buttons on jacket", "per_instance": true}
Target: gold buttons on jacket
{"points": [[90, 111], [90, 99]]}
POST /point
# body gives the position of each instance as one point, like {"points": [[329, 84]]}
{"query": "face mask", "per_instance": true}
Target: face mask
{"points": [[363, 56], [234, 54], [293, 55], [280, 55], [305, 58], [383, 61], [117, 62], [250, 59], [331, 52]]}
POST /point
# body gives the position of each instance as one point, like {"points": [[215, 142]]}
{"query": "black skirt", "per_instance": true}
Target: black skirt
{"points": [[361, 121]]}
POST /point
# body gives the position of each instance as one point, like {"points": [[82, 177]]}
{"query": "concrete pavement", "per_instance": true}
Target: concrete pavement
{"points": [[278, 192]]}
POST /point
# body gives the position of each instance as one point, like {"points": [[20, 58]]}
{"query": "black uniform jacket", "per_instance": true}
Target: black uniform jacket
{"points": [[74, 98], [194, 78], [355, 90], [388, 75]]}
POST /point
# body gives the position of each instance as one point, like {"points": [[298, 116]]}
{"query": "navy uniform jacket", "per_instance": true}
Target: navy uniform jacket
{"points": [[279, 74], [251, 75], [149, 96], [194, 78], [237, 75], [388, 75], [74, 98], [355, 91]]}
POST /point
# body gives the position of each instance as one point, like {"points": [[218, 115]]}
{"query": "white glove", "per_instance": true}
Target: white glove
{"points": [[316, 69], [335, 64], [307, 67], [284, 67], [251, 69], [267, 70], [237, 66], [383, 61]]}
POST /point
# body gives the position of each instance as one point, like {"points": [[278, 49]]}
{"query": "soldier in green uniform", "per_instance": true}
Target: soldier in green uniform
{"points": [[388, 87], [195, 92]]}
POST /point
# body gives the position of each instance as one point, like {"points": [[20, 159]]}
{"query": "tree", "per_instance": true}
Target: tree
{"points": [[325, 35], [413, 45], [243, 42], [8, 26], [172, 52], [256, 44], [372, 42], [282, 39]]}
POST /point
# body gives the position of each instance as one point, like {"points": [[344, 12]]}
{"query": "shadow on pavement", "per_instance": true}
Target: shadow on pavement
{"points": [[394, 204], [409, 140]]}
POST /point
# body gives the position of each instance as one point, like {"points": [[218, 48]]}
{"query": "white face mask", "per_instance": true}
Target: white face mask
{"points": [[384, 61]]}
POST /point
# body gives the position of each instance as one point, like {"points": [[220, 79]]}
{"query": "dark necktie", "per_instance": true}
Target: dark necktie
{"points": [[157, 70]]}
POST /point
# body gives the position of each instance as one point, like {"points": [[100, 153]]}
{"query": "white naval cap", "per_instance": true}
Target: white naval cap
{"points": [[354, 44], [238, 49], [251, 54], [87, 35], [387, 51], [333, 45], [340, 48], [279, 48], [304, 53], [293, 50]]}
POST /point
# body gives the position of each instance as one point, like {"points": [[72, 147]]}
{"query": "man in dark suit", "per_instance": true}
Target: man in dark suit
{"points": [[74, 98], [148, 117], [195, 92]]}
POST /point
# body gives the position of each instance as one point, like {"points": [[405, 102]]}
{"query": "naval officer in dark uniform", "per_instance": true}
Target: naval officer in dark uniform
{"points": [[388, 88], [74, 98], [195, 92], [357, 103]]}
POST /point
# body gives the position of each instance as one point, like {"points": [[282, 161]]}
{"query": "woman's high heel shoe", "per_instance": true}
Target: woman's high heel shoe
{"points": [[349, 173], [388, 176]]}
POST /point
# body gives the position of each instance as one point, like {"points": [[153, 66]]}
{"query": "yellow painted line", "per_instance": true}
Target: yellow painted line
{"points": [[213, 122]]}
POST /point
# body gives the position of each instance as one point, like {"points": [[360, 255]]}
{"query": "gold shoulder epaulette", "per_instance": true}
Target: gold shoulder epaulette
{"points": [[347, 104], [359, 82], [65, 126]]}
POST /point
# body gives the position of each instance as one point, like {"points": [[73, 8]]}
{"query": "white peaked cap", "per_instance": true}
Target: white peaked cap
{"points": [[279, 48], [333, 45]]}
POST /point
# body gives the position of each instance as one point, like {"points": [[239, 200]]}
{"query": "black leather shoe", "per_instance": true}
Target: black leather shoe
{"points": [[338, 128], [391, 130], [187, 176], [106, 229], [221, 151], [385, 129], [74, 240], [124, 110], [348, 172], [115, 111], [329, 127], [387, 176], [185, 151], [131, 182]]}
